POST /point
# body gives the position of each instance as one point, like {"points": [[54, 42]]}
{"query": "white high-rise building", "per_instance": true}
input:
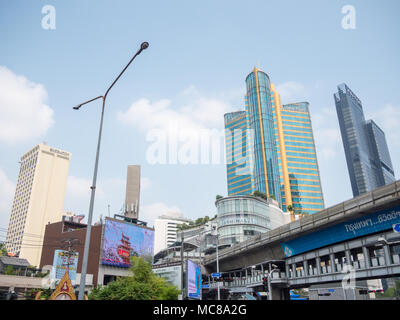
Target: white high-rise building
{"points": [[38, 200], [165, 228]]}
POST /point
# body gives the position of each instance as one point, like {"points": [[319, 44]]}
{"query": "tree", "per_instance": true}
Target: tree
{"points": [[3, 250], [143, 284], [217, 197], [290, 208], [9, 270]]}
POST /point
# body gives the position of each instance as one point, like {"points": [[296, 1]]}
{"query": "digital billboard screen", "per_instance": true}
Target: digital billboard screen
{"points": [[193, 280], [123, 240]]}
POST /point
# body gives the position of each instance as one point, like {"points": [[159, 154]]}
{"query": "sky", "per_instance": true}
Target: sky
{"points": [[192, 73]]}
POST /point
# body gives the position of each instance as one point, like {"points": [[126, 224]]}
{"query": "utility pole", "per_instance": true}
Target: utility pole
{"points": [[182, 267]]}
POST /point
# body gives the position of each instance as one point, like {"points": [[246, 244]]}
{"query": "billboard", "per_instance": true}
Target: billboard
{"points": [[193, 284], [122, 240], [60, 263], [171, 273]]}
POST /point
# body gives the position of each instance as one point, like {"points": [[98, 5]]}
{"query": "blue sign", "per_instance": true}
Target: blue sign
{"points": [[205, 286], [61, 262], [216, 275], [396, 227], [372, 223]]}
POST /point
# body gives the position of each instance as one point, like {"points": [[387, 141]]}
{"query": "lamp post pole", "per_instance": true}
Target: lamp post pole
{"points": [[143, 46], [218, 293]]}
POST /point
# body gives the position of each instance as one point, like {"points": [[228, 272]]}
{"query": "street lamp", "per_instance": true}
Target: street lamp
{"points": [[143, 46]]}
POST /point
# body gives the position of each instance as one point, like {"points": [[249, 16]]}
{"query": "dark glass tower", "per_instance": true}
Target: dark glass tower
{"points": [[366, 151]]}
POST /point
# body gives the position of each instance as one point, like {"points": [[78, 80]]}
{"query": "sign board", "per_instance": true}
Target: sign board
{"points": [[379, 221], [193, 283], [60, 264], [216, 275], [172, 274], [396, 227], [205, 286]]}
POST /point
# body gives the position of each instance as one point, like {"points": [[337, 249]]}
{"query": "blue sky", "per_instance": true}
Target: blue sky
{"points": [[193, 72]]}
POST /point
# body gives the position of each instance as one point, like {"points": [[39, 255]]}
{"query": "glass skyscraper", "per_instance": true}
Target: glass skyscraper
{"points": [[365, 147], [284, 156], [260, 111], [238, 153]]}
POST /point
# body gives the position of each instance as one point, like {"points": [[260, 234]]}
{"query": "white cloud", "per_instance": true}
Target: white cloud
{"points": [[190, 112], [24, 114], [7, 189], [152, 211], [292, 91], [145, 183], [326, 134], [388, 119]]}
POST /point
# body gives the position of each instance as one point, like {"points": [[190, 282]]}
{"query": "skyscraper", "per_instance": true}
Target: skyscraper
{"points": [[261, 120], [239, 153], [365, 147], [298, 164], [281, 147], [38, 200]]}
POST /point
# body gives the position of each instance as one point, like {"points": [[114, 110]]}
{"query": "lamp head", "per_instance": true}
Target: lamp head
{"points": [[144, 46], [77, 107]]}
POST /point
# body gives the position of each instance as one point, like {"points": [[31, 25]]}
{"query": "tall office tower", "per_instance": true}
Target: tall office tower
{"points": [[366, 151], [297, 158], [261, 120], [38, 200], [132, 196], [238, 139]]}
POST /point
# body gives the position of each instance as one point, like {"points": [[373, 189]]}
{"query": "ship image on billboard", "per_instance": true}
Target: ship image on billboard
{"points": [[193, 280], [123, 240]]}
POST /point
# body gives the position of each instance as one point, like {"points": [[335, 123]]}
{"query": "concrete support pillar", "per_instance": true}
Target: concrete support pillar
{"points": [[367, 258], [305, 266], [294, 270], [287, 270], [348, 257], [386, 251], [333, 264], [318, 265], [280, 293]]}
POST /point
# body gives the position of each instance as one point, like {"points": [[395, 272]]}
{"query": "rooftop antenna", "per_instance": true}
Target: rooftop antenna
{"points": [[109, 211]]}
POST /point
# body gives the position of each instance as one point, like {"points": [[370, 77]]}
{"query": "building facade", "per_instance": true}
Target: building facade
{"points": [[132, 196], [279, 147], [239, 154], [367, 155], [165, 230], [297, 158], [38, 200], [261, 121], [242, 217]]}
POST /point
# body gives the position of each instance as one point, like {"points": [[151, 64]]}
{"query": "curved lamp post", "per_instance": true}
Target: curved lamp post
{"points": [[143, 46]]}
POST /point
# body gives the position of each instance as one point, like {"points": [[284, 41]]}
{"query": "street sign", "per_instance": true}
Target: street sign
{"points": [[205, 286], [216, 275], [396, 227]]}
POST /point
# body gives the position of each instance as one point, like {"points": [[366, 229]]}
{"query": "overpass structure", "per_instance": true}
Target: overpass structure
{"points": [[354, 238]]}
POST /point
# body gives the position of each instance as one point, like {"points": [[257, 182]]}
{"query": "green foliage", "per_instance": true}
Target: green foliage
{"points": [[3, 250], [260, 194], [217, 197], [142, 285], [9, 270], [31, 294], [290, 208]]}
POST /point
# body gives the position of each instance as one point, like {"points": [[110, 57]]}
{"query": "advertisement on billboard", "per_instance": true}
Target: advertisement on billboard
{"points": [[193, 280], [123, 240], [171, 273], [60, 264]]}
